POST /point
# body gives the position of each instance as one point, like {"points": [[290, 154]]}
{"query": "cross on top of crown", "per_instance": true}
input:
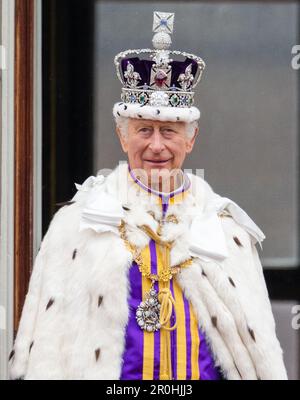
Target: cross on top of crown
{"points": [[163, 22]]}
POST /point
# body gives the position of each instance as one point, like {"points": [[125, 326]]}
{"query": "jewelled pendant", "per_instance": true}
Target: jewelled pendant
{"points": [[147, 313]]}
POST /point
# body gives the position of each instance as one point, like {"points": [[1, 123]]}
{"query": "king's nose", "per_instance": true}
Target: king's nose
{"points": [[156, 144]]}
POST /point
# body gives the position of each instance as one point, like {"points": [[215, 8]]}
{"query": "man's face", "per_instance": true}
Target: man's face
{"points": [[156, 145]]}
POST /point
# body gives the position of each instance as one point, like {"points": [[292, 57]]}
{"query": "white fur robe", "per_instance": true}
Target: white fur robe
{"points": [[75, 314]]}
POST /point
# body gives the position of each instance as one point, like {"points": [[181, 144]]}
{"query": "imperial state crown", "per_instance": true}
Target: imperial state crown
{"points": [[156, 86]]}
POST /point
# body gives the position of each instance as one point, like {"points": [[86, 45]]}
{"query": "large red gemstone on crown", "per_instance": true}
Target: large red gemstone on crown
{"points": [[160, 78]]}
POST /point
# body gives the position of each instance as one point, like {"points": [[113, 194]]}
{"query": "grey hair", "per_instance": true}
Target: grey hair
{"points": [[122, 123], [190, 128]]}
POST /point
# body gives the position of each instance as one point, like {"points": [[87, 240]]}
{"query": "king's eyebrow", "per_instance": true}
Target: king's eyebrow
{"points": [[151, 127], [168, 127]]}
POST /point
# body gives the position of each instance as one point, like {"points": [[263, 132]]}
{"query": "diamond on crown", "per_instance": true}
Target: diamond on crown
{"points": [[163, 22], [132, 77], [159, 98], [185, 80]]}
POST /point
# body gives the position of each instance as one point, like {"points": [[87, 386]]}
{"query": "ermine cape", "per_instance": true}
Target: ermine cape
{"points": [[75, 314]]}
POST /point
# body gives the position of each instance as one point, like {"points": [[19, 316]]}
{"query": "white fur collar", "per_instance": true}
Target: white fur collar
{"points": [[107, 201]]}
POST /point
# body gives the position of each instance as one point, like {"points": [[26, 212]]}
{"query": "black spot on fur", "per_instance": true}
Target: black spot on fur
{"points": [[50, 303], [30, 347], [251, 331], [157, 111], [121, 102], [125, 107], [238, 370], [178, 118], [151, 213], [237, 241], [118, 114], [214, 321], [100, 299], [126, 208], [97, 354], [140, 116], [231, 281], [11, 354], [204, 274], [74, 254]]}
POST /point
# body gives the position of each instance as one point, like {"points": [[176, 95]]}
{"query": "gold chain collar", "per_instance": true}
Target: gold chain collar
{"points": [[168, 272]]}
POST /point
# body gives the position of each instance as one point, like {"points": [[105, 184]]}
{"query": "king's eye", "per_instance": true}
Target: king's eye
{"points": [[168, 130], [144, 129]]}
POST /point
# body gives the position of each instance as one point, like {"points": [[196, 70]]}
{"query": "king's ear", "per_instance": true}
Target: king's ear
{"points": [[191, 141], [123, 139]]}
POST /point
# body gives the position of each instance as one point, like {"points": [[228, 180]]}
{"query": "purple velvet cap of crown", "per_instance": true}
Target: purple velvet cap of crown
{"points": [[143, 67]]}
